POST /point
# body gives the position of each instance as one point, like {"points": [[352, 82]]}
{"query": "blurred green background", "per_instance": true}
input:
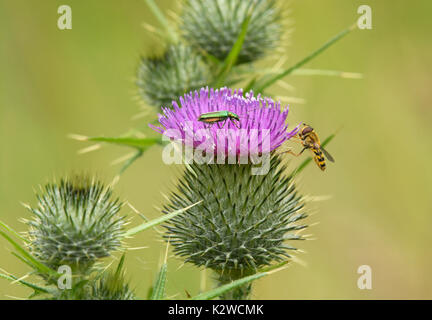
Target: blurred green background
{"points": [[54, 83]]}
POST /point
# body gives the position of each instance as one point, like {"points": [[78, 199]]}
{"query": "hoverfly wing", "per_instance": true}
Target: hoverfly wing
{"points": [[328, 155]]}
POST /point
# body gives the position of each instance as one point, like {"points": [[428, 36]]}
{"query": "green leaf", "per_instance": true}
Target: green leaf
{"points": [[308, 160], [308, 58], [328, 73], [117, 274], [172, 36], [40, 267], [140, 143], [274, 267], [131, 160], [250, 85], [214, 293], [252, 71], [33, 286], [158, 291], [10, 230], [157, 221], [231, 59]]}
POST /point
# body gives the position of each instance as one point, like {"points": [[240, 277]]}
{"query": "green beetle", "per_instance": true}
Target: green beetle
{"points": [[219, 116]]}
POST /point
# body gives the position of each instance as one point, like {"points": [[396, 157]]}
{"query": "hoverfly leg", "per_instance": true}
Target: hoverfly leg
{"points": [[291, 152], [303, 150]]}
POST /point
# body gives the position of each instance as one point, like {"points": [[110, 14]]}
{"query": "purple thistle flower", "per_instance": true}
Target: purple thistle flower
{"points": [[261, 119]]}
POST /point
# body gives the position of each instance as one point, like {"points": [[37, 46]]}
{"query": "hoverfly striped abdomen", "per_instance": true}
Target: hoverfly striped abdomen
{"points": [[319, 158], [310, 140]]}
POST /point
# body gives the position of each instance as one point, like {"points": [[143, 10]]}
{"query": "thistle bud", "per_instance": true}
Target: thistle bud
{"points": [[214, 26], [75, 223], [110, 286], [163, 79]]}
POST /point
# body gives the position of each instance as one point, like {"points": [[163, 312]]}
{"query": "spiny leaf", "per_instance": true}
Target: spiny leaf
{"points": [[33, 286], [253, 71], [12, 231], [120, 267], [157, 221], [250, 85], [158, 291], [162, 20], [315, 53], [234, 53], [131, 160], [27, 256], [214, 293], [329, 73], [141, 143]]}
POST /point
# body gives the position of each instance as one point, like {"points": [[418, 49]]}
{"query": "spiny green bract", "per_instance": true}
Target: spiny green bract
{"points": [[108, 286], [214, 26], [75, 223], [163, 79], [111, 286], [243, 221]]}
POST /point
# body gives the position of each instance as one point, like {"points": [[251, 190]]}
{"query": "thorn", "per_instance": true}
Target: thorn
{"points": [[166, 252], [137, 248], [114, 181], [132, 207], [123, 158], [150, 28], [13, 297], [319, 198], [77, 137], [89, 149], [285, 85], [299, 261], [139, 115], [19, 279], [351, 75], [27, 206], [291, 99]]}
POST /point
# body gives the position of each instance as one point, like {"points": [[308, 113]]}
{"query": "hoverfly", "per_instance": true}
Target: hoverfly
{"points": [[310, 140], [219, 116]]}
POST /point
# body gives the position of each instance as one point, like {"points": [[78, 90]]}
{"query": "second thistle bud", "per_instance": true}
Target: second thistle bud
{"points": [[163, 79], [75, 223], [214, 26]]}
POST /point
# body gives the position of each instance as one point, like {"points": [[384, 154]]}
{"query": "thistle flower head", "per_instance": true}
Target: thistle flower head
{"points": [[243, 219], [75, 223], [214, 26], [259, 118], [162, 79]]}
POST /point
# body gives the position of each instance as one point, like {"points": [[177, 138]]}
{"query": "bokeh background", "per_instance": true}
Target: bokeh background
{"points": [[54, 83]]}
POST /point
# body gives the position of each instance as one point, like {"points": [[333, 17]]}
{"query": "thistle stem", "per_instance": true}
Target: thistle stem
{"points": [[238, 293]]}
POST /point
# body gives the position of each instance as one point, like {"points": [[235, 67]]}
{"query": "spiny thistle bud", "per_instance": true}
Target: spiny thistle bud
{"points": [[214, 26], [243, 220], [75, 223], [110, 286], [242, 223], [161, 80]]}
